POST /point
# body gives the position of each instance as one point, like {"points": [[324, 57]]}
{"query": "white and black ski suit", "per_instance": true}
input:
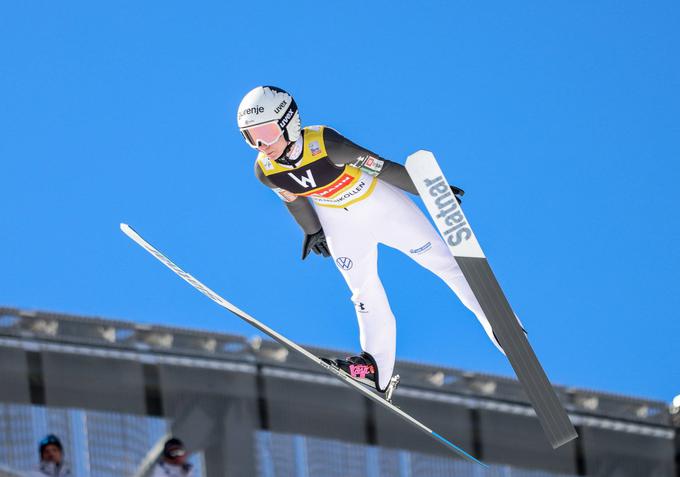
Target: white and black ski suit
{"points": [[358, 199]]}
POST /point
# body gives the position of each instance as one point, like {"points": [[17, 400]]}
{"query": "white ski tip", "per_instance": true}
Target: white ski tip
{"points": [[448, 216], [127, 230], [421, 153]]}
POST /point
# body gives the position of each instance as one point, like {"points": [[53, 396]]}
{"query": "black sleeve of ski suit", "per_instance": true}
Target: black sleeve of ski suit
{"points": [[300, 208], [343, 151]]}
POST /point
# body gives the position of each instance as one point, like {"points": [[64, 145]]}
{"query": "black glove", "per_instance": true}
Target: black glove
{"points": [[458, 193], [317, 243]]}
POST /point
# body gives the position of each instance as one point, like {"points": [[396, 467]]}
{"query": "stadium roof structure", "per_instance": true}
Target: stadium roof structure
{"points": [[242, 401], [104, 338]]}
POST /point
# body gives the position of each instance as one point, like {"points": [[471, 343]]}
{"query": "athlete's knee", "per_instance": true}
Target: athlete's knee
{"points": [[370, 296], [366, 301]]}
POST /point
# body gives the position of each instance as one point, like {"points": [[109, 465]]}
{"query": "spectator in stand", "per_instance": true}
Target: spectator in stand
{"points": [[173, 462], [52, 462]]}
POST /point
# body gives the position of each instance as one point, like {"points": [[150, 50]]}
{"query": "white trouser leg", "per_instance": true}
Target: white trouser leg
{"points": [[409, 231], [388, 216], [355, 251]]}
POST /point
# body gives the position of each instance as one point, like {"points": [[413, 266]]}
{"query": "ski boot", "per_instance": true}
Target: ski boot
{"points": [[364, 369]]}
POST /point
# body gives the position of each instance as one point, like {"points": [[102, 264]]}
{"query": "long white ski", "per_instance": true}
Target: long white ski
{"points": [[458, 235], [338, 373]]}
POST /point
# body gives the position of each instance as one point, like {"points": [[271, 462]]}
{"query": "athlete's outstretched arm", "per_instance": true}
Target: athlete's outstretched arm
{"points": [[343, 151], [304, 214], [299, 207]]}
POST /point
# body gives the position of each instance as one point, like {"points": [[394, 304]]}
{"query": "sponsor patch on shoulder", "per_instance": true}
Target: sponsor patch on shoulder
{"points": [[315, 148], [373, 164], [266, 163], [313, 128], [369, 164], [285, 195]]}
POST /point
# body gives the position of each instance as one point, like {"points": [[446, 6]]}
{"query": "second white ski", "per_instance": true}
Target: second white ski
{"points": [[127, 230]]}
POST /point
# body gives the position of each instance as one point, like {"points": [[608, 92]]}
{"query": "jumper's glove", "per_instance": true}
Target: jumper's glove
{"points": [[315, 243], [458, 193]]}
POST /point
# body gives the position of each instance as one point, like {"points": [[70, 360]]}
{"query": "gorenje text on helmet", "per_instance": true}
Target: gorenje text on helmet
{"points": [[253, 110]]}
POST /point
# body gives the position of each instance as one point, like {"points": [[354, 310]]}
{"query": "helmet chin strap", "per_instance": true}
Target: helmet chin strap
{"points": [[285, 159]]}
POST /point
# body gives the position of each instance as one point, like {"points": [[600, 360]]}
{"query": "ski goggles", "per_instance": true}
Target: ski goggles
{"points": [[263, 134], [175, 452]]}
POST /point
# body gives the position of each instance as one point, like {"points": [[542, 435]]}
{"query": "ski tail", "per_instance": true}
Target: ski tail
{"points": [[463, 245]]}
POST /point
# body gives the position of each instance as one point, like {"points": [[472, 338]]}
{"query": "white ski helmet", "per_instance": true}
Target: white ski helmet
{"points": [[268, 104]]}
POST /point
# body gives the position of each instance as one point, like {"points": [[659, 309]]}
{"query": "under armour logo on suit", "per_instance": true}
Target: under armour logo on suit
{"points": [[306, 180], [344, 262]]}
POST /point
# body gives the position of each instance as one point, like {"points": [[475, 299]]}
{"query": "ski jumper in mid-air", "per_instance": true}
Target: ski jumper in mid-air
{"points": [[348, 199]]}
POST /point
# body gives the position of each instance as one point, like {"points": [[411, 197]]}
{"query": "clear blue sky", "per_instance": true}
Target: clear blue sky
{"points": [[559, 119]]}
